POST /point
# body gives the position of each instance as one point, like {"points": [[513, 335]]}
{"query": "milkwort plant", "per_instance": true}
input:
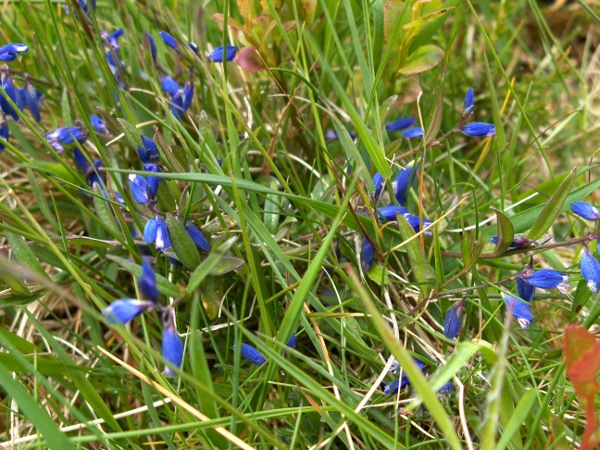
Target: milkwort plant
{"points": [[289, 216]]}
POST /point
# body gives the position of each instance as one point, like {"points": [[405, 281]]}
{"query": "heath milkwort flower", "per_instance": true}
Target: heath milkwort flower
{"points": [[124, 310], [169, 40], [518, 242], [411, 133], [188, 94], [390, 212], [367, 254], [251, 354], [31, 99], [378, 181], [585, 210], [545, 279], [197, 236], [156, 232], [404, 181], [172, 345], [217, 54], [149, 41], [469, 103], [332, 134], [147, 282], [9, 52], [526, 291], [415, 223], [401, 383], [99, 125], [454, 318], [169, 85], [84, 7], [65, 137], [11, 92], [447, 388], [520, 310], [475, 129], [590, 270], [148, 154], [145, 190], [400, 124], [3, 134]]}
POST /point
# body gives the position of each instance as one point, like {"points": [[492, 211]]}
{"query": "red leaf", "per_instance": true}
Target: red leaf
{"points": [[248, 58]]}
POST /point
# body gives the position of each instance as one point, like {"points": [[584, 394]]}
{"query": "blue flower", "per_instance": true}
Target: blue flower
{"points": [[99, 125], [172, 345], [188, 94], [113, 39], [545, 279], [446, 389], [590, 270], [125, 310], [217, 54], [585, 210], [518, 242], [367, 254], [291, 343], [139, 189], [148, 154], [520, 310], [197, 236], [65, 137], [169, 40], [84, 7], [478, 129], [147, 282], [156, 232], [149, 41], [3, 134], [411, 133], [332, 134], [453, 320], [12, 93], [169, 85], [400, 124], [401, 383], [526, 291], [9, 52], [390, 212], [252, 354], [153, 182], [469, 103], [176, 105], [32, 99], [404, 180], [378, 181], [415, 223]]}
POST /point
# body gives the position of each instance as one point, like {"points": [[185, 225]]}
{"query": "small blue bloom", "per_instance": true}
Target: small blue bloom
{"points": [[9, 52], [172, 345], [332, 134], [518, 242], [415, 223], [32, 100], [156, 232], [197, 236], [526, 291], [12, 93], [252, 354], [147, 282], [400, 124], [404, 180], [153, 182], [65, 137], [378, 181], [148, 154], [446, 389], [176, 105], [390, 212], [291, 343], [84, 7], [99, 125], [367, 254], [113, 39], [520, 310], [469, 103], [545, 279], [169, 85], [479, 129], [453, 320], [217, 54], [401, 383], [149, 40], [169, 40], [3, 134], [590, 270], [125, 310], [188, 94], [411, 133], [585, 210], [139, 189]]}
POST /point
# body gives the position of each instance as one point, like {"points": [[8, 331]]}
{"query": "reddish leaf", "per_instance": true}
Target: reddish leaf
{"points": [[249, 59]]}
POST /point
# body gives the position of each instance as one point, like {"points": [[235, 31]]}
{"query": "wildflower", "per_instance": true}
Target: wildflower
{"points": [[401, 383], [585, 210], [169, 85], [453, 320], [176, 105], [157, 233], [148, 154], [545, 279], [153, 182], [84, 7], [3, 134], [149, 42], [147, 282], [291, 343], [197, 236], [518, 242], [447, 388], [252, 354], [469, 103], [390, 212], [113, 39], [12, 93], [590, 270], [145, 190], [99, 125], [332, 134], [378, 182], [66, 137], [217, 54], [404, 181], [367, 254], [172, 346], [188, 94], [124, 310], [526, 291], [520, 310], [9, 52], [31, 99], [400, 124], [169, 40], [411, 133], [478, 129], [415, 222]]}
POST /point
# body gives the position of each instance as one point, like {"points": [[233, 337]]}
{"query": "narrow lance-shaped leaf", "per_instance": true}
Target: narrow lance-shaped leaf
{"points": [[506, 233], [423, 272], [183, 246], [132, 134], [436, 119], [552, 208]]}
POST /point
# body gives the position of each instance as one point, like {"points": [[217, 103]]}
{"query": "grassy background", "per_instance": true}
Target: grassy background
{"points": [[290, 197]]}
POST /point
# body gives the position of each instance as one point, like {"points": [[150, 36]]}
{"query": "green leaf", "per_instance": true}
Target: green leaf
{"points": [[422, 59], [436, 119], [210, 263], [132, 134], [23, 254], [183, 246], [103, 210], [506, 233], [518, 417], [423, 272], [553, 208], [225, 265]]}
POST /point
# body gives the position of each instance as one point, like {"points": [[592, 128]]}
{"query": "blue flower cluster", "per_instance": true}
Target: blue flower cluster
{"points": [[255, 356]]}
